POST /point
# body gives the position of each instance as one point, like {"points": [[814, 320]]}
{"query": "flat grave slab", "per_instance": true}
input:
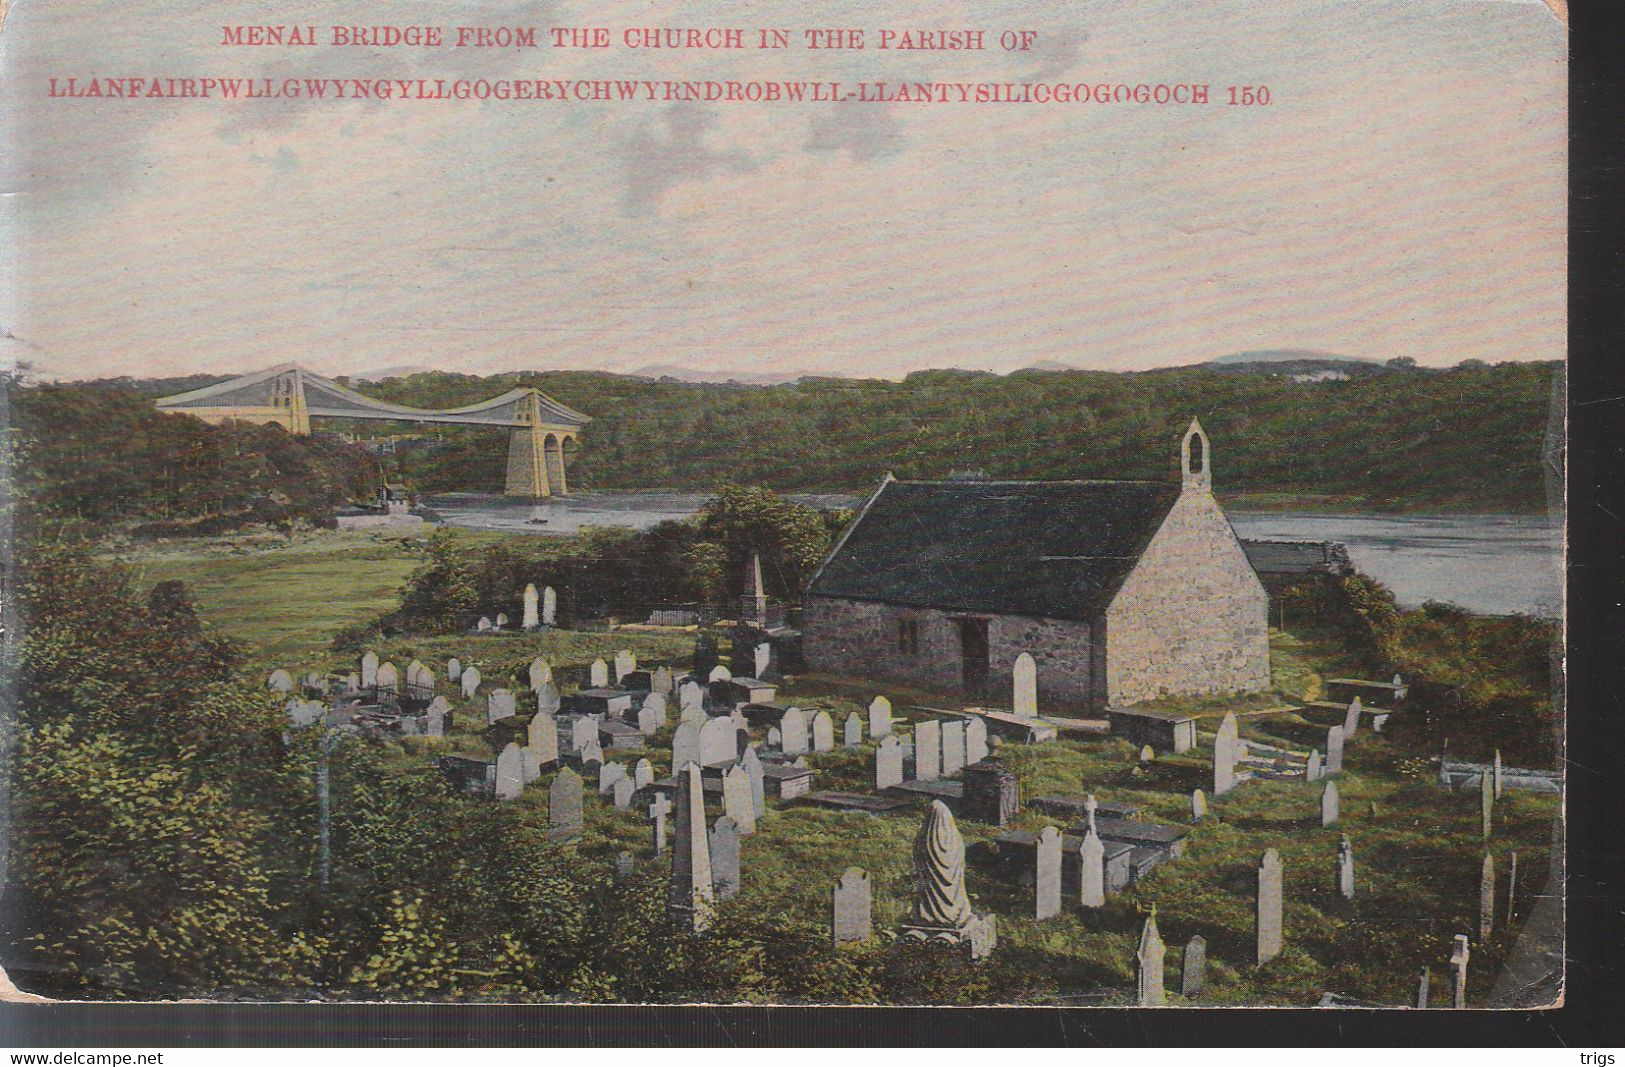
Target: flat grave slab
{"points": [[1077, 806], [1018, 850], [941, 789], [1168, 839], [867, 803]]}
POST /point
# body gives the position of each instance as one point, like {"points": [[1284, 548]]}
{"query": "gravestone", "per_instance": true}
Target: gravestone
{"points": [[1345, 868], [976, 749], [717, 744], [1024, 686], [692, 893], [762, 660], [280, 681], [1496, 772], [1267, 915], [583, 731], [879, 717], [1422, 989], [543, 738], [564, 804], [389, 679], [1459, 955], [621, 792], [470, 682], [793, 732], [888, 764], [608, 775], [851, 907], [598, 674], [499, 705], [1486, 804], [502, 619], [649, 720], [1047, 875], [454, 670], [719, 673], [1147, 754], [1486, 899], [1193, 972], [736, 800], [484, 625], [592, 757], [547, 699], [690, 697], [661, 682], [953, 747], [624, 866], [1328, 805], [417, 674], [1198, 805], [1225, 745], [725, 858], [439, 714], [643, 772], [852, 731], [1092, 869], [531, 618], [529, 769], [550, 607], [353, 681], [1312, 769], [757, 778], [655, 705], [625, 663], [1148, 962], [1351, 720], [1334, 750], [927, 751], [685, 746], [774, 738], [369, 669], [539, 674], [309, 712], [659, 808], [823, 732], [510, 773], [942, 907]]}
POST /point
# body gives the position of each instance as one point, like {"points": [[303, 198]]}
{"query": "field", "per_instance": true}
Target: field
{"points": [[1417, 846]]}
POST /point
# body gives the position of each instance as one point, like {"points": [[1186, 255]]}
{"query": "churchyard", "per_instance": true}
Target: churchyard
{"points": [[1418, 847]]}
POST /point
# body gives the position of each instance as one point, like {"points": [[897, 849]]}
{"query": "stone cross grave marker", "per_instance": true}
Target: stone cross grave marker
{"points": [[758, 786], [1486, 804], [625, 663], [1334, 750], [851, 907], [976, 749], [539, 674], [725, 858], [1459, 955], [1148, 962], [470, 682], [1092, 869], [643, 772], [659, 808], [1329, 805], [1312, 770], [1193, 972], [1047, 875], [736, 800], [823, 732], [621, 792], [369, 669], [550, 607], [1486, 899], [793, 732], [510, 773], [564, 804], [685, 746], [598, 674], [852, 731], [583, 731], [1198, 805], [608, 775], [543, 737], [927, 751], [454, 670], [547, 699], [280, 681], [717, 744], [879, 717], [1345, 868], [692, 892], [1351, 720], [499, 705], [532, 616], [1267, 916], [953, 747], [1024, 686]]}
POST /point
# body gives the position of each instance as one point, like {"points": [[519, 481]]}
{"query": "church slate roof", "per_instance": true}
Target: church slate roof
{"points": [[1056, 550]]}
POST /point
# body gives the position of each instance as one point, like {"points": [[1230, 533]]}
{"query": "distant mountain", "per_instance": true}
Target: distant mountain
{"points": [[1289, 355], [392, 372], [658, 371]]}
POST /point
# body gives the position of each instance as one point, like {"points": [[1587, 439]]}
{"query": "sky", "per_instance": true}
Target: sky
{"points": [[1403, 194]]}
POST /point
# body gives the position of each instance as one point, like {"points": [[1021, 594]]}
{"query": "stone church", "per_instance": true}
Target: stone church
{"points": [[1121, 591]]}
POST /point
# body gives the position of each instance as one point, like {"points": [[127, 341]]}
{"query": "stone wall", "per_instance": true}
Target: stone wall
{"points": [[859, 639], [1192, 617]]}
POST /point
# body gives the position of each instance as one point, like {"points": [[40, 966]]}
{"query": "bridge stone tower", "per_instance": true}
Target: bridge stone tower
{"points": [[539, 427]]}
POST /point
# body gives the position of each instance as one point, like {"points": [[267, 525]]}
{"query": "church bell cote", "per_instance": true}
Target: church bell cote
{"points": [[1195, 460]]}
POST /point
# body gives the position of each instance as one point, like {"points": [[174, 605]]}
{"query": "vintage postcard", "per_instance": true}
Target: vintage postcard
{"points": [[833, 503]]}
